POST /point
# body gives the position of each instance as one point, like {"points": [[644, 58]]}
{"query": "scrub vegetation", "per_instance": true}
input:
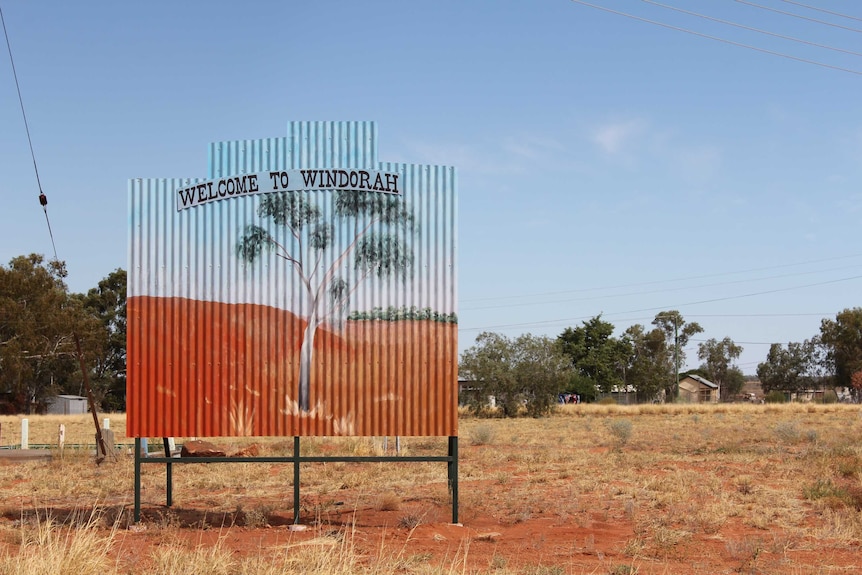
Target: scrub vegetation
{"points": [[651, 489]]}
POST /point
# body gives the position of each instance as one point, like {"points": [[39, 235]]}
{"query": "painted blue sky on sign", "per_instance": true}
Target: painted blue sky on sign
{"points": [[606, 165]]}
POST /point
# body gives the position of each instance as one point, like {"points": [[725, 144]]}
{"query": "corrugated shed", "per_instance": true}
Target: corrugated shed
{"points": [[295, 313]]}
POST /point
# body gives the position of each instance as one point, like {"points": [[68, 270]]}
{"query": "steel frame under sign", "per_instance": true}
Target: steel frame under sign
{"points": [[451, 460]]}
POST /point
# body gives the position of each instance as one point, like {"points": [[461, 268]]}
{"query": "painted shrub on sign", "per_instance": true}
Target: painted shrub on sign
{"points": [[302, 289]]}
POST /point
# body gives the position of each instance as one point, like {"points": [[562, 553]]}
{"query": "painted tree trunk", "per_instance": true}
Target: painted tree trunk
{"points": [[306, 354]]}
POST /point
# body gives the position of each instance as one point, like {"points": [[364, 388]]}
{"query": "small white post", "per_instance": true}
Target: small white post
{"points": [[25, 434], [61, 438], [106, 423]]}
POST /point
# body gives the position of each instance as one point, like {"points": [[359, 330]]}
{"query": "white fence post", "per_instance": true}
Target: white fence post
{"points": [[25, 434], [61, 438], [106, 423]]}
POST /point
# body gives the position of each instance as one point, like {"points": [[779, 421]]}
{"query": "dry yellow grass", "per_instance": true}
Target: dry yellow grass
{"points": [[767, 488]]}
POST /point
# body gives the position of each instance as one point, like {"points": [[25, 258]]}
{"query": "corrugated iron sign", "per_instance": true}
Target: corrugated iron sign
{"points": [[304, 288]]}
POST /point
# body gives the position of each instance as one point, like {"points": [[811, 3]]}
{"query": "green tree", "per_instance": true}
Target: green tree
{"points": [[38, 322], [787, 369], [718, 357], [646, 368], [735, 380], [373, 234], [107, 303], [841, 339], [528, 372], [677, 333], [598, 358]]}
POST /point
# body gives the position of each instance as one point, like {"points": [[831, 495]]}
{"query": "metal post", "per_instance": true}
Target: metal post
{"points": [[169, 474], [91, 401], [453, 475], [296, 480], [137, 479], [676, 355]]}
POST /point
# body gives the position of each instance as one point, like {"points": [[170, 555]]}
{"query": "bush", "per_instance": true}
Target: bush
{"points": [[829, 396], [787, 431], [481, 435], [621, 429], [607, 401], [775, 397]]}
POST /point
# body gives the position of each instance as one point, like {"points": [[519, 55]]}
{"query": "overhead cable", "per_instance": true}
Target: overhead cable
{"points": [[758, 30], [724, 40], [800, 16], [823, 10], [655, 291], [550, 322], [670, 280], [43, 199]]}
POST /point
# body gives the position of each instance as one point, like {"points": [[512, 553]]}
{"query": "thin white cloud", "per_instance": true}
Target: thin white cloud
{"points": [[616, 137], [696, 163], [517, 154], [462, 156], [636, 143]]}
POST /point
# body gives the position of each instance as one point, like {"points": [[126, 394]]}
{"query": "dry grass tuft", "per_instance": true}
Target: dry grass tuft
{"points": [[388, 501]]}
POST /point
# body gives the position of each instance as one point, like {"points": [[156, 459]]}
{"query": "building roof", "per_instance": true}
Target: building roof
{"points": [[703, 381]]}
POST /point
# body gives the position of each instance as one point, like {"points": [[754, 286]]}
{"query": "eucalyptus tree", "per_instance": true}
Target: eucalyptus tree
{"points": [[842, 340], [598, 358], [38, 325], [527, 373], [718, 357], [649, 356], [677, 334], [788, 369], [332, 252], [107, 303]]}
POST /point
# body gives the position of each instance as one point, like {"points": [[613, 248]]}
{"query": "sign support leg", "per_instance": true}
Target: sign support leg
{"points": [[452, 472], [296, 480], [137, 480], [169, 475]]}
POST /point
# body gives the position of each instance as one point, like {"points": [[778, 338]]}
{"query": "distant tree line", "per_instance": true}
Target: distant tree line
{"points": [[39, 321], [591, 362], [393, 313], [830, 359]]}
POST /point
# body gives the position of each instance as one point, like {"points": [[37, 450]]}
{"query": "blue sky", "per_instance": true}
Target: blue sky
{"points": [[606, 165]]}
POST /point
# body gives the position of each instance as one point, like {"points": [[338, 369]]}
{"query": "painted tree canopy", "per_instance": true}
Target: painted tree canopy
{"points": [[332, 251]]}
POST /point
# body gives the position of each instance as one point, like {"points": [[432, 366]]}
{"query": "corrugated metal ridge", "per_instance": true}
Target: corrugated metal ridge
{"points": [[308, 144]]}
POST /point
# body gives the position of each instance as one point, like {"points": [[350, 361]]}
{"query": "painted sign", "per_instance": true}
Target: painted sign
{"points": [[303, 288], [286, 181]]}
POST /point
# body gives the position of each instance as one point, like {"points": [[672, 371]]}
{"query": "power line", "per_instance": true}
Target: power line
{"points": [[823, 10], [800, 16], [551, 322], [758, 30], [43, 200], [674, 289], [724, 40], [671, 280]]}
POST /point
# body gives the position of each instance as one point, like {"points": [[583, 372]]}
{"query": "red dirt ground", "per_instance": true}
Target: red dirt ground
{"points": [[539, 542]]}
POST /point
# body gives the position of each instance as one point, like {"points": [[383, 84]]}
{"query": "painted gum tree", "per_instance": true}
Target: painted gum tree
{"points": [[368, 234]]}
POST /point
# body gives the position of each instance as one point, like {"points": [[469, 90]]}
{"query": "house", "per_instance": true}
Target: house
{"points": [[697, 389], [624, 394], [67, 405], [468, 392]]}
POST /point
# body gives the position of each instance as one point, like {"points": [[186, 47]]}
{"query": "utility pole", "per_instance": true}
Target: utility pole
{"points": [[676, 356]]}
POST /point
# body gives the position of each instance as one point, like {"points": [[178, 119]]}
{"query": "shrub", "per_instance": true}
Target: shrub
{"points": [[621, 429], [787, 431], [829, 396], [481, 435], [775, 396], [607, 401]]}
